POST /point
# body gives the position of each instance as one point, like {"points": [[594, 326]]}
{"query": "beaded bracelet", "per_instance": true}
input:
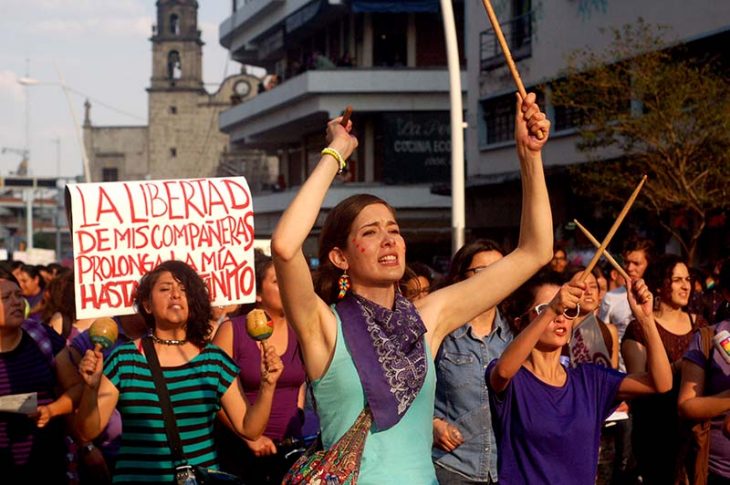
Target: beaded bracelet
{"points": [[336, 155]]}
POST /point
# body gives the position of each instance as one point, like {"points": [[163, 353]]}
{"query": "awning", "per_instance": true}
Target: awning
{"points": [[402, 6]]}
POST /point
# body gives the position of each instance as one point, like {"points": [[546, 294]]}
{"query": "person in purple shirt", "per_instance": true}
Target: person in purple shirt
{"points": [[31, 446], [705, 394], [264, 461], [547, 417]]}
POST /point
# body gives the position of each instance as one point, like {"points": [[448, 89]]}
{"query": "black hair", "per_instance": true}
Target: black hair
{"points": [[6, 274], [33, 272], [519, 302], [198, 327], [463, 257], [262, 263], [636, 243]]}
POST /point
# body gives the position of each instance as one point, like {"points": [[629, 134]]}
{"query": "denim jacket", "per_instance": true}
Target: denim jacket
{"points": [[462, 400]]}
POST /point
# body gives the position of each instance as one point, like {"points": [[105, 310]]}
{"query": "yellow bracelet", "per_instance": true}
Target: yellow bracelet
{"points": [[336, 155]]}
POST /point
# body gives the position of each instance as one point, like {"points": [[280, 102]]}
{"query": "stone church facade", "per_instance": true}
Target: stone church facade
{"points": [[182, 139]]}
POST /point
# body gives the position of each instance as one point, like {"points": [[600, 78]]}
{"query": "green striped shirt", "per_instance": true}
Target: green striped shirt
{"points": [[195, 391]]}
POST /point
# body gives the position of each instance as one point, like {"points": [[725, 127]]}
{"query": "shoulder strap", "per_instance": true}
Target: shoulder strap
{"points": [[41, 338], [706, 334], [173, 435], [607, 337]]}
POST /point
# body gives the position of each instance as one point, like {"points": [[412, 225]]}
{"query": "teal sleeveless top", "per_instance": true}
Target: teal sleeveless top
{"points": [[401, 454]]}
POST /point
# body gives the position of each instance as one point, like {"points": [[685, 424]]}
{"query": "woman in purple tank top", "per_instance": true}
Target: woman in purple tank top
{"points": [[267, 459]]}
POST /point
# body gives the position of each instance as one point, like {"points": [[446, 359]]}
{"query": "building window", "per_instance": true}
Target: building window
{"points": [[517, 32], [567, 117], [173, 152], [174, 66], [173, 110], [110, 174], [499, 117], [390, 40], [174, 24]]}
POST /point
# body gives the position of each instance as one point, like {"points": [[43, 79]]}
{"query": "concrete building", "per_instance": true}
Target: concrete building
{"points": [[181, 139], [387, 60], [542, 33]]}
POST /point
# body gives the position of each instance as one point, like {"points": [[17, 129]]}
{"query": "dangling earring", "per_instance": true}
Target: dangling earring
{"points": [[344, 284]]}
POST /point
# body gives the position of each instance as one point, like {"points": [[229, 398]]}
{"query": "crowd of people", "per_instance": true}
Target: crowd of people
{"points": [[515, 367]]}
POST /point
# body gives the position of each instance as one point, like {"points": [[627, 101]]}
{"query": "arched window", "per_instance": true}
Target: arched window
{"points": [[174, 66], [174, 24]]}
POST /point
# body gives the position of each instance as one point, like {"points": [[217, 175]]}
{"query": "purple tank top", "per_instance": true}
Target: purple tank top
{"points": [[284, 420]]}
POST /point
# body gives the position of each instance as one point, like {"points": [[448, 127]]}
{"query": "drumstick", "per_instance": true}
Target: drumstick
{"points": [[613, 230], [597, 244], [346, 116], [507, 54]]}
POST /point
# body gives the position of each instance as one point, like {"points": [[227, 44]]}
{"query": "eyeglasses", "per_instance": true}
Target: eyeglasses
{"points": [[540, 308], [475, 270]]}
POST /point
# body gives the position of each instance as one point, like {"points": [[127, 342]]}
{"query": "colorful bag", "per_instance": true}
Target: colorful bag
{"points": [[340, 465]]}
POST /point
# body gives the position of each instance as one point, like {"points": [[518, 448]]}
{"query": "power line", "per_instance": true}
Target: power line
{"points": [[107, 106]]}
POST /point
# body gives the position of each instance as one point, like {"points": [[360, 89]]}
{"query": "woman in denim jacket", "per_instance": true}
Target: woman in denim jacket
{"points": [[465, 449]]}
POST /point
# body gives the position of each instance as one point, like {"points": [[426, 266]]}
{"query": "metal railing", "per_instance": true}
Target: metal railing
{"points": [[518, 33]]}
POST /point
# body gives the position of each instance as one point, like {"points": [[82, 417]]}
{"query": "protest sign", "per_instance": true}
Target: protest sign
{"points": [[122, 230], [35, 256]]}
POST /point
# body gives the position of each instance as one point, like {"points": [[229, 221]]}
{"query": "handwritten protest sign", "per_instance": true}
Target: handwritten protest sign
{"points": [[122, 230]]}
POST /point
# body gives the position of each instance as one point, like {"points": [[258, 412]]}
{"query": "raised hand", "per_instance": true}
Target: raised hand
{"points": [[569, 295], [529, 121], [271, 364], [339, 137], [641, 301], [91, 367]]}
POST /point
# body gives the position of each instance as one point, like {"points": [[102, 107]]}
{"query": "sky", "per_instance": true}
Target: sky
{"points": [[101, 48]]}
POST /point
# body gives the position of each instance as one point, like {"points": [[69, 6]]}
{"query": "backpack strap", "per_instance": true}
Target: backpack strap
{"points": [[706, 334], [607, 337]]}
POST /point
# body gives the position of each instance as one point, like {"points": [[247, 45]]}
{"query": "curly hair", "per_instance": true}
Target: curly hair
{"points": [[658, 276], [334, 234], [198, 327]]}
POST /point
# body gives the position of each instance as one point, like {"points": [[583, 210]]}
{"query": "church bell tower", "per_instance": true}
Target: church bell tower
{"points": [[177, 48]]}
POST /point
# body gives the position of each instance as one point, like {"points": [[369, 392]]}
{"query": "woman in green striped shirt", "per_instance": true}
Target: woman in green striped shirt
{"points": [[200, 377]]}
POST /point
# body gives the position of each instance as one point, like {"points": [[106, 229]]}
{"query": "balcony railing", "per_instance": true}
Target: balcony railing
{"points": [[518, 33]]}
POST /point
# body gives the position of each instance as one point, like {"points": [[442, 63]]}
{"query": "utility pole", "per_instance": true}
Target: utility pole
{"points": [[59, 199]]}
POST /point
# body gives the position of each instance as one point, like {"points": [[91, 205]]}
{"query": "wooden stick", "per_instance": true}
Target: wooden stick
{"points": [[507, 54], [346, 116], [613, 230], [597, 244]]}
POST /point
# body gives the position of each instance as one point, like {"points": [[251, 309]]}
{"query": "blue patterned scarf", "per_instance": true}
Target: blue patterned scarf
{"points": [[387, 347]]}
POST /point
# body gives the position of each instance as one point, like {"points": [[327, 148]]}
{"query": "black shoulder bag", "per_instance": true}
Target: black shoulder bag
{"points": [[185, 474]]}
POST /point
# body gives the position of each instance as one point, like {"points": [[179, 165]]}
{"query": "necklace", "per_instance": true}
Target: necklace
{"points": [[164, 341]]}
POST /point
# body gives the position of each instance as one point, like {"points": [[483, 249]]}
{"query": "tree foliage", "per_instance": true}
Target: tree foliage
{"points": [[646, 108]]}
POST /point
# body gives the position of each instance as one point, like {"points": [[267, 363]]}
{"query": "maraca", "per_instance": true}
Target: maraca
{"points": [[103, 333], [259, 325]]}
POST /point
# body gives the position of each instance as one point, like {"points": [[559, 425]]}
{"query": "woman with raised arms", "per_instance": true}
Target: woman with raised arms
{"points": [[548, 417], [374, 347]]}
